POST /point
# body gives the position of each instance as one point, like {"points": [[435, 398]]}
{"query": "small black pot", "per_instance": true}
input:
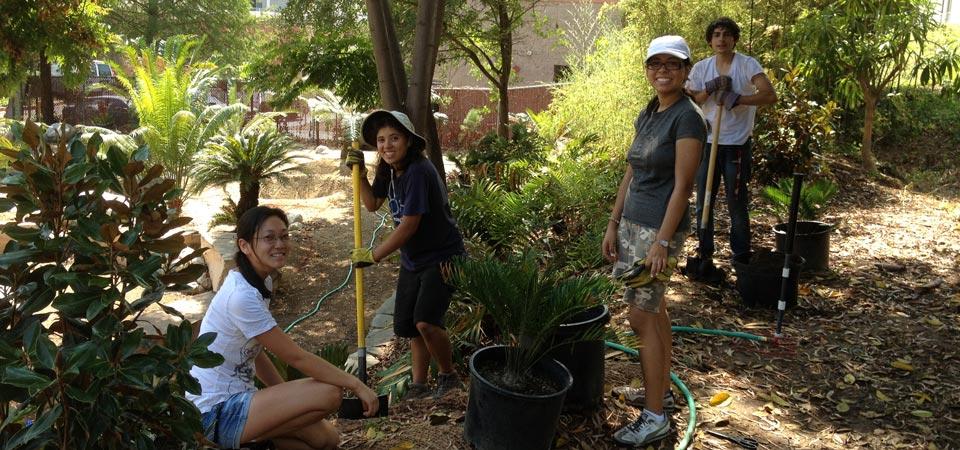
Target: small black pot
{"points": [[352, 408], [500, 419], [812, 242], [583, 358], [759, 280]]}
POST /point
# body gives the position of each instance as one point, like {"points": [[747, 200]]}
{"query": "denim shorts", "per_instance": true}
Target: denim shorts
{"points": [[224, 423]]}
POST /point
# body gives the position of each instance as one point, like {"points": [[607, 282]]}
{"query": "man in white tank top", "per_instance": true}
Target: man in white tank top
{"points": [[737, 83]]}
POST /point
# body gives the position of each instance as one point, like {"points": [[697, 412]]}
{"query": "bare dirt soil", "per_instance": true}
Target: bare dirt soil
{"points": [[871, 359]]}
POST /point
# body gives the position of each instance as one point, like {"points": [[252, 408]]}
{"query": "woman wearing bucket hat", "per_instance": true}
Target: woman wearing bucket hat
{"points": [[426, 235], [649, 222]]}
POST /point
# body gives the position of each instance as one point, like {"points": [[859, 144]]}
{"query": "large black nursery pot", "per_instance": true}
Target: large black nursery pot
{"points": [[760, 278], [498, 418], [583, 358], [812, 242]]}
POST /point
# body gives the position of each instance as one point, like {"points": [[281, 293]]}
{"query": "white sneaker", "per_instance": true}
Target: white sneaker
{"points": [[644, 430], [635, 397]]}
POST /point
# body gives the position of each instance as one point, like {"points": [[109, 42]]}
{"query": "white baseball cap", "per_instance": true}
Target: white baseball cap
{"points": [[669, 45]]}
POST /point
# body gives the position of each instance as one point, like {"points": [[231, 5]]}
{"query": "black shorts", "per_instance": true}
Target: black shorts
{"points": [[422, 296]]}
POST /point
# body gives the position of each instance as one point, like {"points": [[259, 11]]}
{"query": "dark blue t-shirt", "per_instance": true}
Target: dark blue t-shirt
{"points": [[420, 191]]}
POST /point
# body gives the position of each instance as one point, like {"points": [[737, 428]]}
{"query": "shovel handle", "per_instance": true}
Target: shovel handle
{"points": [[711, 168], [358, 277]]}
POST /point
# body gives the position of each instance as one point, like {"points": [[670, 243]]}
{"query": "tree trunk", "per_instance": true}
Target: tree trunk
{"points": [[380, 21], [506, 67], [394, 92], [15, 105], [866, 147], [249, 198], [46, 90], [152, 11]]}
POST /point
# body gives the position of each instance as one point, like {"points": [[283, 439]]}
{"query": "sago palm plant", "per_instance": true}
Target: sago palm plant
{"points": [[526, 303], [249, 159]]}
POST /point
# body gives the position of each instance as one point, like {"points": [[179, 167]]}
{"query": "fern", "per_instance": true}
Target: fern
{"points": [[813, 197]]}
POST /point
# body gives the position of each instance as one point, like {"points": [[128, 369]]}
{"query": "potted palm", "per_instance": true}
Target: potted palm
{"points": [[812, 240], [515, 393]]}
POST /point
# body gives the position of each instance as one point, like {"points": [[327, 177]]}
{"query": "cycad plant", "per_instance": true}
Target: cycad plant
{"points": [[526, 303], [249, 159], [813, 197], [169, 93]]}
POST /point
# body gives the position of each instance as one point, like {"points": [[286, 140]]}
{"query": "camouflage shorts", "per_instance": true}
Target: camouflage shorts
{"points": [[633, 243]]}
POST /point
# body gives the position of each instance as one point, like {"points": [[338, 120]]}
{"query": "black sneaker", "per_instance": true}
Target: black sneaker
{"points": [[416, 390], [446, 382]]}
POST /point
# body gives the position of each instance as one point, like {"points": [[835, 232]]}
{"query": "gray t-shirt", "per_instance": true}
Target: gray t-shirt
{"points": [[653, 156]]}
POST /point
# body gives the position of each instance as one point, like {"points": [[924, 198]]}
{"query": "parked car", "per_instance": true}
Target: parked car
{"points": [[103, 110]]}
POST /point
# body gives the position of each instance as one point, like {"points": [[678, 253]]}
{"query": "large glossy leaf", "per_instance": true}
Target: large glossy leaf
{"points": [[23, 377], [17, 257], [37, 430]]}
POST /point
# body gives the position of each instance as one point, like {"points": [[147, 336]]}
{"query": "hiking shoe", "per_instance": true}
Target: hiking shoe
{"points": [[636, 397], [416, 391], [446, 382], [643, 431]]}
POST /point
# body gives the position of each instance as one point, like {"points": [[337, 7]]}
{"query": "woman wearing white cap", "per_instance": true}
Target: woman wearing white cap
{"points": [[649, 222], [426, 235]]}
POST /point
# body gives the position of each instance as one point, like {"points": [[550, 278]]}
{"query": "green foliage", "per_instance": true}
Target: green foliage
{"points": [[335, 353], [791, 134], [813, 197], [317, 45], [247, 158], [526, 194], [169, 95], [526, 303], [604, 93], [913, 115], [68, 32], [226, 25], [94, 244]]}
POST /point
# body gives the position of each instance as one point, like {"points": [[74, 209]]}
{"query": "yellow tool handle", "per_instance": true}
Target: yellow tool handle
{"points": [[711, 168], [358, 243]]}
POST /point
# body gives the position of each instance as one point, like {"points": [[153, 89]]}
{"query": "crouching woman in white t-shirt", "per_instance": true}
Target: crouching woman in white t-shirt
{"points": [[291, 413]]}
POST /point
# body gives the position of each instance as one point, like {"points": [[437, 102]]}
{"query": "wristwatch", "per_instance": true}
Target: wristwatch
{"points": [[664, 243]]}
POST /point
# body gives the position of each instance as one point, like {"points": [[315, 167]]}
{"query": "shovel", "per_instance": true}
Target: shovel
{"points": [[351, 407], [711, 168]]}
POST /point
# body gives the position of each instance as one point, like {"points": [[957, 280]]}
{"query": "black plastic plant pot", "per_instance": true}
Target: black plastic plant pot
{"points": [[500, 419], [583, 358], [760, 279], [812, 242], [352, 408]]}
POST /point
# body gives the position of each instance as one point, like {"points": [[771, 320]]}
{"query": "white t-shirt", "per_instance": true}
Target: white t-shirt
{"points": [[238, 313], [736, 125]]}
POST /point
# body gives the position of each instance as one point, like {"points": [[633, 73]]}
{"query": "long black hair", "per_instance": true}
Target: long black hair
{"points": [[247, 228], [414, 151]]}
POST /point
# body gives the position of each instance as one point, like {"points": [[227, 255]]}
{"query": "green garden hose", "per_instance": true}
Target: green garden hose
{"points": [[691, 405], [383, 221]]}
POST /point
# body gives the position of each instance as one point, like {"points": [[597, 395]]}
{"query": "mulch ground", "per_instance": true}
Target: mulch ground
{"points": [[871, 354]]}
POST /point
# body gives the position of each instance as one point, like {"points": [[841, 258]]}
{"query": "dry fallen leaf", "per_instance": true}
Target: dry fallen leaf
{"points": [[902, 365], [883, 397], [719, 398], [403, 446], [843, 407], [849, 379], [922, 413]]}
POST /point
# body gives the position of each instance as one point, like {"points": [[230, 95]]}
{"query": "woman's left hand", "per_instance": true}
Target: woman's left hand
{"points": [[656, 259], [369, 399]]}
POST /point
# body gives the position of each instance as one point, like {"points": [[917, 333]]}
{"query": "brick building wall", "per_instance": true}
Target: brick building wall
{"points": [[522, 98]]}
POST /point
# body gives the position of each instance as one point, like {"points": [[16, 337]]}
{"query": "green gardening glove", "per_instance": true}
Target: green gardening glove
{"points": [[639, 274], [362, 257]]}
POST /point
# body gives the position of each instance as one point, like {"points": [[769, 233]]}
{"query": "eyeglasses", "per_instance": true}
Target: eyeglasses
{"points": [[272, 239], [669, 65]]}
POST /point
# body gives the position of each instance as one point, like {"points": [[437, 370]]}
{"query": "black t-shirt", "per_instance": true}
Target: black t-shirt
{"points": [[419, 191]]}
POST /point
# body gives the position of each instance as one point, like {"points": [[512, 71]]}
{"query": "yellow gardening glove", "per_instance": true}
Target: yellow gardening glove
{"points": [[362, 257], [355, 156], [639, 274]]}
